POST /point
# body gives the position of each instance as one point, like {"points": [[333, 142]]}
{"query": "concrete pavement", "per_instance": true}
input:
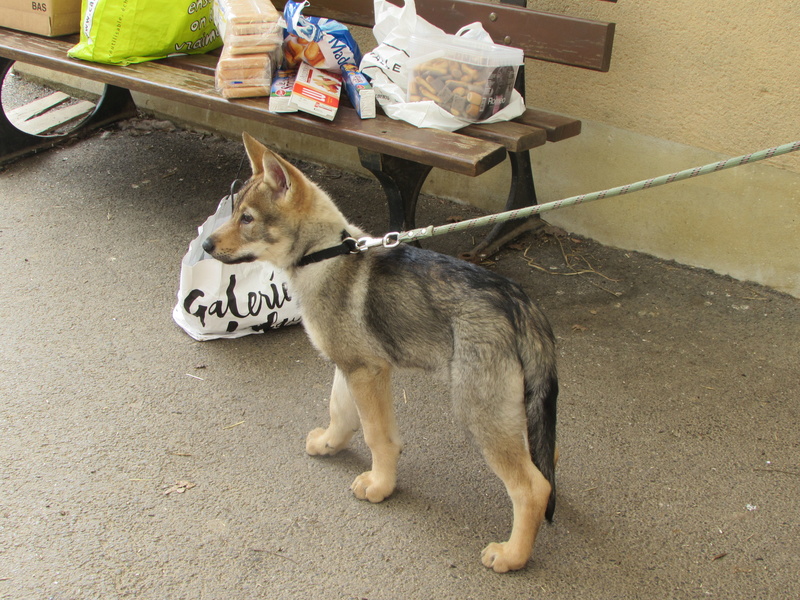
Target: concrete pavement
{"points": [[678, 423]]}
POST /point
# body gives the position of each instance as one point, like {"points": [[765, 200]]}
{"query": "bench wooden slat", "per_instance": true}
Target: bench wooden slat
{"points": [[515, 137], [558, 127], [543, 36], [449, 151]]}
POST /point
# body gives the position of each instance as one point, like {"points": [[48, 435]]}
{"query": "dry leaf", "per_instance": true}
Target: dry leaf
{"points": [[179, 487]]}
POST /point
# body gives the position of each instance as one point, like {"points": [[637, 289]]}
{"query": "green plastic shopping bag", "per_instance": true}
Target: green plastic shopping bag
{"points": [[121, 32]]}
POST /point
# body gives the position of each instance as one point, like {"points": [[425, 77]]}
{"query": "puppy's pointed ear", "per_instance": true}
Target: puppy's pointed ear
{"points": [[255, 152], [266, 164], [274, 173]]}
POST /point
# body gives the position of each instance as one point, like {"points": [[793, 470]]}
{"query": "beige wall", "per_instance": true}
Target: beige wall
{"points": [[690, 83], [722, 75]]}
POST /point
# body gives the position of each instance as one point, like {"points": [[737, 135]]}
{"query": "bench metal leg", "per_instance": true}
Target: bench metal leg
{"points": [[114, 104], [401, 181], [521, 195]]}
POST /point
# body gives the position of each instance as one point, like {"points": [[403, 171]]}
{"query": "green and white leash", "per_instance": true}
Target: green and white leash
{"points": [[394, 238]]}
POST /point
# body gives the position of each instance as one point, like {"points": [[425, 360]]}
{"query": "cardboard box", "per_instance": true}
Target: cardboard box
{"points": [[49, 17], [280, 95], [316, 91], [359, 90]]}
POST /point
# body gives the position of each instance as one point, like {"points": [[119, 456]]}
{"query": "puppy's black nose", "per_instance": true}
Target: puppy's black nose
{"points": [[208, 245]]}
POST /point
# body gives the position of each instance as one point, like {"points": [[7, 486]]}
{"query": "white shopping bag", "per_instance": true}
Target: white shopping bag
{"points": [[387, 67], [216, 300]]}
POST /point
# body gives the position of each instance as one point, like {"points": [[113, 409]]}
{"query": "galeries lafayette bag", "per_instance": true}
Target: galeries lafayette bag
{"points": [[216, 300]]}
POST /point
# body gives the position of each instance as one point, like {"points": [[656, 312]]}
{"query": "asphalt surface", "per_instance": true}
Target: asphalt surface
{"points": [[138, 463]]}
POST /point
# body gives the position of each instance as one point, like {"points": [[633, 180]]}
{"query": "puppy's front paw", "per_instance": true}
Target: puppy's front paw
{"points": [[368, 486], [318, 443], [500, 558]]}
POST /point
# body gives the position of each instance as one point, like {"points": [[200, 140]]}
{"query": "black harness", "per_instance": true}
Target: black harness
{"points": [[348, 246]]}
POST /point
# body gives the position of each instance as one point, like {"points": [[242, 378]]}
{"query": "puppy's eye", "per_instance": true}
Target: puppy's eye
{"points": [[246, 218]]}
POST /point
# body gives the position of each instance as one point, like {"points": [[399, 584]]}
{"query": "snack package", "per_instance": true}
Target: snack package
{"points": [[316, 91], [252, 47], [322, 43], [280, 95], [360, 92], [399, 55], [244, 75], [469, 79], [246, 18]]}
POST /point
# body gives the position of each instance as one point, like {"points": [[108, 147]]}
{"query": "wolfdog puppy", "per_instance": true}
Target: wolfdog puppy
{"points": [[371, 311]]}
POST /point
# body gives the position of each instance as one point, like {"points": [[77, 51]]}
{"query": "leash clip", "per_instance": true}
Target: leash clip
{"points": [[365, 243], [390, 240]]}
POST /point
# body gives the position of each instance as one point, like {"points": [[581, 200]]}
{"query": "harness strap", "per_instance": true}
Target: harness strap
{"points": [[348, 246]]}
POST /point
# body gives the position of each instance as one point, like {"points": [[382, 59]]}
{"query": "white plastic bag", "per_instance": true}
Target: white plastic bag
{"points": [[216, 300], [387, 64]]}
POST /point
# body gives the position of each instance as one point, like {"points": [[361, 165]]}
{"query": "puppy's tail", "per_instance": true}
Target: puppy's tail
{"points": [[541, 394]]}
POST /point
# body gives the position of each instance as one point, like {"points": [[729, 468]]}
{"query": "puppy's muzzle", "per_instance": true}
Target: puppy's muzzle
{"points": [[209, 245]]}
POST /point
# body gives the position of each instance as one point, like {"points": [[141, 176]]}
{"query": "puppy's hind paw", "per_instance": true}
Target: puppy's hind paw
{"points": [[499, 558]]}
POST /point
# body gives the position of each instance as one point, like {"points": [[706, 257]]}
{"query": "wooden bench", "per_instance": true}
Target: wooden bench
{"points": [[398, 154]]}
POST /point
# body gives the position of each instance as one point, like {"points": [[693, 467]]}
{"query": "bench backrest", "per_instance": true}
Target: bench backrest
{"points": [[542, 36]]}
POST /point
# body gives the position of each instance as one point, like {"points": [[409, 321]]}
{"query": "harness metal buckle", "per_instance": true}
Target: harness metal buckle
{"points": [[353, 244]]}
